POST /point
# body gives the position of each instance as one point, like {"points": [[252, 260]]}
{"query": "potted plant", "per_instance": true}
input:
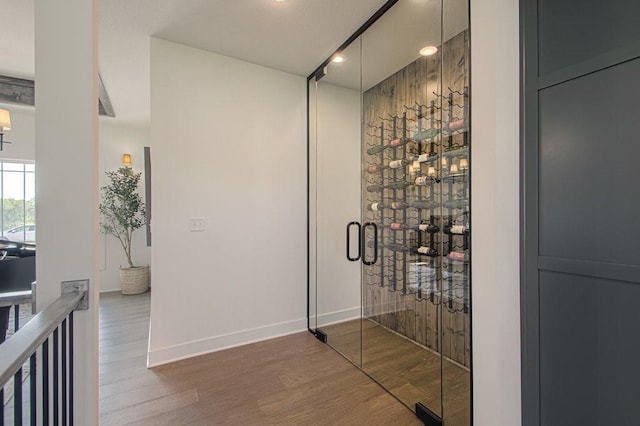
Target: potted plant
{"points": [[122, 212]]}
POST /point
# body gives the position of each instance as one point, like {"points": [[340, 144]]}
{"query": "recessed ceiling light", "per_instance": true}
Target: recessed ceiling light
{"points": [[338, 59], [428, 50]]}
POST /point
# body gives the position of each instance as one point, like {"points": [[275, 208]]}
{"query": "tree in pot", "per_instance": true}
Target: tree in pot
{"points": [[122, 212]]}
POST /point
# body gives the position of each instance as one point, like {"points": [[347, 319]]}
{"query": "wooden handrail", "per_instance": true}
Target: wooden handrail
{"points": [[14, 352], [16, 297]]}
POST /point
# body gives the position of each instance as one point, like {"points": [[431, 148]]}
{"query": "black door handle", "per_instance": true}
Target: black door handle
{"points": [[375, 243], [349, 225]]}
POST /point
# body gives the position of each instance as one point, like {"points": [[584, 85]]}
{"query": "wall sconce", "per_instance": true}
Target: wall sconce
{"points": [[5, 124], [464, 164], [126, 160]]}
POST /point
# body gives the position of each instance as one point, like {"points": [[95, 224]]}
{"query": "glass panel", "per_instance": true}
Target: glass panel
{"points": [[30, 206], [312, 303], [13, 205], [455, 234], [16, 167], [401, 113], [402, 341], [338, 203]]}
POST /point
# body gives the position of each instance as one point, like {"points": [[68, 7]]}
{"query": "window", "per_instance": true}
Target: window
{"points": [[18, 201]]}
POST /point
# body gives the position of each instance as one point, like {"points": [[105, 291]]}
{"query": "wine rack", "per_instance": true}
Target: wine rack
{"points": [[416, 171]]}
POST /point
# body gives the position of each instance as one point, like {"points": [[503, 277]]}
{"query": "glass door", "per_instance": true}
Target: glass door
{"points": [[402, 115], [336, 159], [389, 206]]}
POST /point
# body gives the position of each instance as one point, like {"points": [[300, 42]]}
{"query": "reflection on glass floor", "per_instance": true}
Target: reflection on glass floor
{"points": [[407, 370]]}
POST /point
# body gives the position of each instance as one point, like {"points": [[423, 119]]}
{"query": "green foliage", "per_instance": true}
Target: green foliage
{"points": [[122, 210], [17, 213]]}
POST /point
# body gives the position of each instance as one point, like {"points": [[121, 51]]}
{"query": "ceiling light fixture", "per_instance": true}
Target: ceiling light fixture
{"points": [[428, 50], [338, 59]]}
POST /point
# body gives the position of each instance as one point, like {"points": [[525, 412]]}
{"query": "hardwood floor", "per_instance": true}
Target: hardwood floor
{"points": [[292, 380], [411, 372]]}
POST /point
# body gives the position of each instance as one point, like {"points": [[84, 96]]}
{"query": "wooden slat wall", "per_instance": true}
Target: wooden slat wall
{"points": [[419, 319]]}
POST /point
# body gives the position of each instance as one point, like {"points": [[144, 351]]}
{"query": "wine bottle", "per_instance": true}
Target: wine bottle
{"points": [[396, 226], [398, 205], [374, 207], [376, 150], [396, 247], [395, 143], [456, 229], [456, 204], [421, 204], [427, 134], [424, 180], [395, 205], [458, 256], [425, 251], [396, 164], [423, 158], [428, 227], [398, 185], [456, 125], [457, 151], [375, 188]]}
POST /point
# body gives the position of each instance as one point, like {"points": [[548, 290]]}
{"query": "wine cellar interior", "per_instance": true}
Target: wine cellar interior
{"points": [[390, 161]]}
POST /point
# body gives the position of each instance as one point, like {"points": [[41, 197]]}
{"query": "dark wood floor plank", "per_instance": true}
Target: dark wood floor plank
{"points": [[411, 372], [289, 380]]}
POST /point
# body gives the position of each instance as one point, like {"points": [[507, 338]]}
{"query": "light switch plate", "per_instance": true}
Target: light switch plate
{"points": [[197, 224]]}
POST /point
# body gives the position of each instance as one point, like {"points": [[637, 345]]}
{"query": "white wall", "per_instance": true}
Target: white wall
{"points": [[228, 144], [66, 70], [495, 210], [22, 134], [116, 139]]}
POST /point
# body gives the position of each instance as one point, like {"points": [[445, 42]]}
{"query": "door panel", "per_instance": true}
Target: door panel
{"points": [[338, 203], [580, 253]]}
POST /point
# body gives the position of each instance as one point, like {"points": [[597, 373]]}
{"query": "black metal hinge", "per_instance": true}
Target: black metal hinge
{"points": [[428, 417], [320, 335]]}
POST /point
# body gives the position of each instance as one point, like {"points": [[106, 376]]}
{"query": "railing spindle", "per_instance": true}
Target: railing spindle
{"points": [[56, 399], [17, 398], [16, 317], [64, 372], [56, 362], [33, 381], [45, 382], [71, 368]]}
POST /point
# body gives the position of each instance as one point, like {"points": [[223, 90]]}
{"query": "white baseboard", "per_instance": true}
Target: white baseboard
{"points": [[337, 316], [174, 353]]}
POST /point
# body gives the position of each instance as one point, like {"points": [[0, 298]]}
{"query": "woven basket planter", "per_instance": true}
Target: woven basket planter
{"points": [[134, 280]]}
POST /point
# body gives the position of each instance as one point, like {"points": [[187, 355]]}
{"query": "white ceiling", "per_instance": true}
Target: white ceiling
{"points": [[395, 40], [293, 36]]}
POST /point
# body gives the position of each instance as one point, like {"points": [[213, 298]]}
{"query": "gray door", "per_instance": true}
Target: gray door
{"points": [[581, 204]]}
